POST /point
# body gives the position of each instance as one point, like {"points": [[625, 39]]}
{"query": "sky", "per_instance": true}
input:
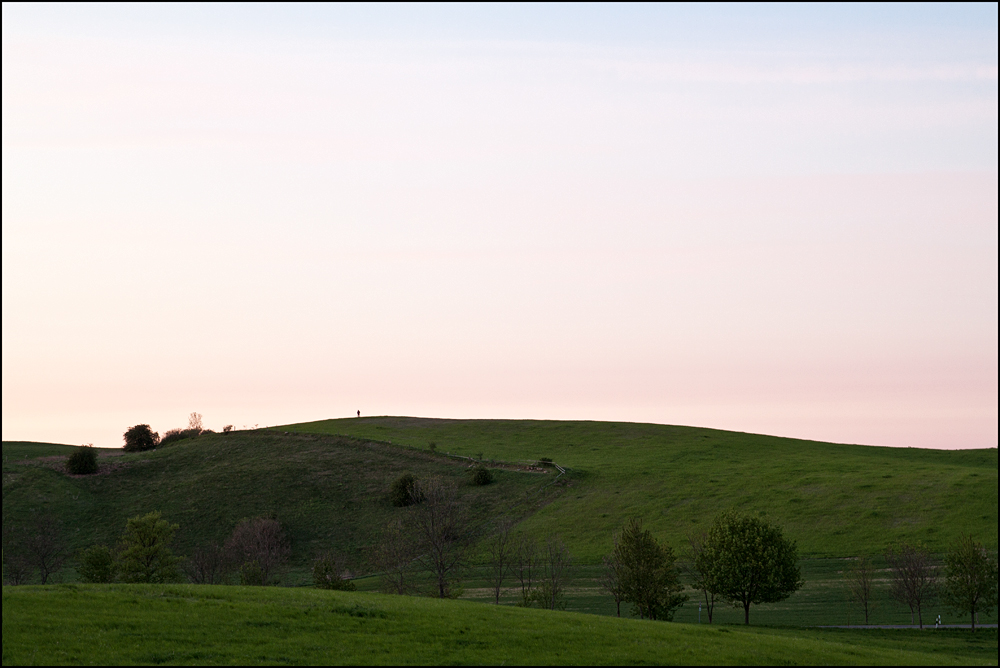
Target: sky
{"points": [[763, 218]]}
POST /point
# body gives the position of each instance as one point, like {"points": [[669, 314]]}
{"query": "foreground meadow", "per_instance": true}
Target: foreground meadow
{"points": [[188, 624]]}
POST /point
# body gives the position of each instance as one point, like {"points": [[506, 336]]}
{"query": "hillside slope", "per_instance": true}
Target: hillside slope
{"points": [[835, 500]]}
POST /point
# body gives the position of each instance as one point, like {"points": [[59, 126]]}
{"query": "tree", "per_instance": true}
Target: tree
{"points": [[914, 577], [612, 575], [140, 438], [702, 572], [144, 550], [44, 545], [17, 567], [861, 585], [194, 421], [261, 548], [555, 562], [526, 565], [749, 561], [394, 554], [441, 530], [500, 549], [207, 565], [649, 577], [97, 565], [971, 583]]}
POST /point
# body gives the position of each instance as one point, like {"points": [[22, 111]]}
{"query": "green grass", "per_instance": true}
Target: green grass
{"points": [[331, 493], [186, 624], [835, 500]]}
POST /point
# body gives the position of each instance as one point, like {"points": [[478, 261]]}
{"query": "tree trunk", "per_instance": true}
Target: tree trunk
{"points": [[746, 614]]}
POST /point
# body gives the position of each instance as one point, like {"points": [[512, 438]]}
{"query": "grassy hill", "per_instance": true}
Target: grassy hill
{"points": [[329, 492], [328, 483], [186, 624], [836, 500]]}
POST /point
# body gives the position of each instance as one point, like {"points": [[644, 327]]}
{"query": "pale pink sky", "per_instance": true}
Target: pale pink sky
{"points": [[794, 234]]}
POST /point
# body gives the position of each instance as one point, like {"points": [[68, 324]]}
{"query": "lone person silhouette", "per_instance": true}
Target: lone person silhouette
{"points": [[359, 413]]}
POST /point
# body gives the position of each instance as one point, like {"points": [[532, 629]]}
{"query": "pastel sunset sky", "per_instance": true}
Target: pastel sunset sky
{"points": [[769, 219]]}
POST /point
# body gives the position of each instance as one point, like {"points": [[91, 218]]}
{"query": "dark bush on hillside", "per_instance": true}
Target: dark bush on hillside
{"points": [[97, 564], [83, 461], [228, 428], [140, 438], [405, 491], [481, 476], [328, 573], [545, 461], [261, 547], [175, 435]]}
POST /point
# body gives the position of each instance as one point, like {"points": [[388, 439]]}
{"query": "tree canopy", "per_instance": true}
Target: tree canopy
{"points": [[144, 553], [971, 582], [646, 573], [749, 561]]}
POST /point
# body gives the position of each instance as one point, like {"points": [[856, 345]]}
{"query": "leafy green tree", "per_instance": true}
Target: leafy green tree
{"points": [[748, 561], [971, 581], [647, 574], [144, 554], [97, 565], [140, 438]]}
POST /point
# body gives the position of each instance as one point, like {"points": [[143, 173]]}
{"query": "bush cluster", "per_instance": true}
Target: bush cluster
{"points": [[405, 491], [83, 461], [328, 574], [481, 476], [175, 435]]}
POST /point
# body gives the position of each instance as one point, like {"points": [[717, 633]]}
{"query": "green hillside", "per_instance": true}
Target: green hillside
{"points": [[836, 500], [329, 492], [186, 624]]}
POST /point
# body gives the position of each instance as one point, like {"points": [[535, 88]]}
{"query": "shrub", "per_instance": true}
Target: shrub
{"points": [[228, 428], [175, 435], [545, 461], [140, 438], [481, 476], [83, 461], [252, 575], [327, 573], [97, 564], [405, 491]]}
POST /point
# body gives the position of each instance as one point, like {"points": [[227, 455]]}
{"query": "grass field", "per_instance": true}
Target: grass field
{"points": [[835, 500], [187, 624]]}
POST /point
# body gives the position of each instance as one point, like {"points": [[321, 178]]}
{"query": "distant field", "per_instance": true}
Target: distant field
{"points": [[187, 624], [835, 500], [22, 450]]}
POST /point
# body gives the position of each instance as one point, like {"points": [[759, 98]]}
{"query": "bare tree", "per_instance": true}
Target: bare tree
{"points": [[207, 565], [441, 528], [260, 547], [702, 573], [44, 546], [612, 577], [500, 549], [17, 567], [526, 563], [194, 421], [914, 578], [555, 564], [394, 555], [861, 585]]}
